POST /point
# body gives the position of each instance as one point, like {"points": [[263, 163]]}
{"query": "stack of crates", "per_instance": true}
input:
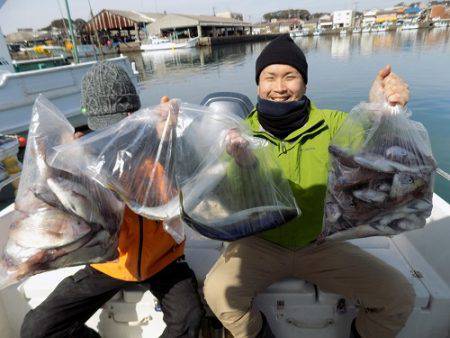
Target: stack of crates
{"points": [[10, 166]]}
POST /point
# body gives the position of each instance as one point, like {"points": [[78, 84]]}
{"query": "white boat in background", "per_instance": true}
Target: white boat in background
{"points": [[295, 33], [318, 31], [409, 26], [441, 24], [366, 29], [343, 32], [299, 32], [305, 32], [61, 85], [155, 43], [357, 30]]}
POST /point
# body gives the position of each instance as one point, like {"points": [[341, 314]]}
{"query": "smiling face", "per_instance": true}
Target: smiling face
{"points": [[281, 83]]}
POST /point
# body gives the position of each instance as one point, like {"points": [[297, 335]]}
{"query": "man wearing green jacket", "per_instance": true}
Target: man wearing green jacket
{"points": [[299, 133]]}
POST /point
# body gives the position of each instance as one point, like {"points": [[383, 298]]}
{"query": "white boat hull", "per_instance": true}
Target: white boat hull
{"points": [[409, 27], [191, 43], [292, 306], [61, 85]]}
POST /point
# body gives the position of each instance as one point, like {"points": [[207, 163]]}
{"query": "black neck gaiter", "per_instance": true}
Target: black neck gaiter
{"points": [[282, 118]]}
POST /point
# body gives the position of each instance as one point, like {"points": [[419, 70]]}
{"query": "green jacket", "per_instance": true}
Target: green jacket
{"points": [[303, 158]]}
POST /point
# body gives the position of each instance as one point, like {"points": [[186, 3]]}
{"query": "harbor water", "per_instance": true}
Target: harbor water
{"points": [[341, 69]]}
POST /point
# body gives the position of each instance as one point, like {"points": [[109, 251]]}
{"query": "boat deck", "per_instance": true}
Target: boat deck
{"points": [[295, 308]]}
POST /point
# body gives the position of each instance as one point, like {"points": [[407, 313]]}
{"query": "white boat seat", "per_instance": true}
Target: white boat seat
{"points": [[201, 256]]}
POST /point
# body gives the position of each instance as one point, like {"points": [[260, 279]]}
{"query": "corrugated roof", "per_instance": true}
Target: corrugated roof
{"points": [[136, 16], [214, 19]]}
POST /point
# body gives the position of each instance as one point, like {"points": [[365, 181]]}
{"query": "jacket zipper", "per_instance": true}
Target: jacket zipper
{"points": [[141, 240]]}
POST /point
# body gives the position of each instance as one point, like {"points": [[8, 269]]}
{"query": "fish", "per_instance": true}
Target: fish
{"points": [[416, 206], [374, 162], [77, 199], [408, 223], [193, 193], [48, 229], [343, 157], [332, 212], [41, 260], [28, 201], [400, 154], [47, 196], [387, 218], [382, 164], [385, 230], [380, 185], [242, 223], [405, 183], [359, 231], [349, 178], [17, 254], [97, 248], [370, 196]]}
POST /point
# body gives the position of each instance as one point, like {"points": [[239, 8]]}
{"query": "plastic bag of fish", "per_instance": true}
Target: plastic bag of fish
{"points": [[228, 199], [381, 177], [153, 154], [59, 219], [135, 159]]}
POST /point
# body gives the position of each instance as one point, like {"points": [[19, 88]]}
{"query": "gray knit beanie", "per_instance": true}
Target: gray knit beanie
{"points": [[107, 95]]}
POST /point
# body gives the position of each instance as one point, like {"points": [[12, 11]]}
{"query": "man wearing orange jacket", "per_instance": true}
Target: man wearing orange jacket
{"points": [[147, 254]]}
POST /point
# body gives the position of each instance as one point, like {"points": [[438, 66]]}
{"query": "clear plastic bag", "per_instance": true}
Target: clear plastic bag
{"points": [[140, 158], [226, 200], [381, 177], [153, 154], [60, 219]]}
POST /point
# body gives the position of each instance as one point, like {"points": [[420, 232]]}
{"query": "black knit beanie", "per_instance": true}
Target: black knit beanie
{"points": [[284, 51]]}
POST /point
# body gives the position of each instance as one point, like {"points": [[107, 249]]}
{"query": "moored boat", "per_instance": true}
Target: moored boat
{"points": [[61, 84], [155, 43]]}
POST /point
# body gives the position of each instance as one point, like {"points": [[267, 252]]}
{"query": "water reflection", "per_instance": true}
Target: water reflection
{"points": [[159, 63], [342, 47], [178, 61]]}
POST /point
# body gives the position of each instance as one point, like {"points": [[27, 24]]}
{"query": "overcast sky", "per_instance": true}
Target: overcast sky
{"points": [[39, 13]]}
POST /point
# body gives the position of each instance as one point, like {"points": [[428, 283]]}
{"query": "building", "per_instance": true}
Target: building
{"points": [[386, 15], [369, 18], [231, 15], [118, 25], [343, 19], [413, 10], [439, 12], [325, 21], [182, 26], [311, 24]]}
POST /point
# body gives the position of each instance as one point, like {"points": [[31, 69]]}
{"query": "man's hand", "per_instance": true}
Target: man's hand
{"points": [[166, 109], [389, 87], [78, 135], [238, 148]]}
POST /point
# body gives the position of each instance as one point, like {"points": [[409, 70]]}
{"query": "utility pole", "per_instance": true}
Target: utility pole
{"points": [[99, 46], [72, 35]]}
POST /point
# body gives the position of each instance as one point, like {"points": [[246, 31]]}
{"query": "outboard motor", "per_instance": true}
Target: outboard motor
{"points": [[236, 103]]}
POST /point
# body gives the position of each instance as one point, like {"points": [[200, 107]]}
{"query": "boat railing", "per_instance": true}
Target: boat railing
{"points": [[443, 174]]}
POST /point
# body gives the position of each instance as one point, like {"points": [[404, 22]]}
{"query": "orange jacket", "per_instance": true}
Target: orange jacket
{"points": [[145, 248]]}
